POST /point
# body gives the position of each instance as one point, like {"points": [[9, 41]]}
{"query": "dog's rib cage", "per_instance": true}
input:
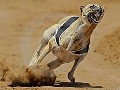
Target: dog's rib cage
{"points": [[63, 28]]}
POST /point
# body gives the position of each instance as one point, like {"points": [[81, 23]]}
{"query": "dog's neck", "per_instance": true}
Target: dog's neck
{"points": [[88, 27]]}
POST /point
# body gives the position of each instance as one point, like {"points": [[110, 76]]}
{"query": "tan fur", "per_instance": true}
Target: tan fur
{"points": [[74, 38]]}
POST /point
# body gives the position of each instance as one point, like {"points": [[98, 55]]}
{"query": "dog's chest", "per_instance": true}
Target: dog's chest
{"points": [[67, 35], [65, 32]]}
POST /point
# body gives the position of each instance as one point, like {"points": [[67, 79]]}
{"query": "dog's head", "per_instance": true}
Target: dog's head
{"points": [[92, 13]]}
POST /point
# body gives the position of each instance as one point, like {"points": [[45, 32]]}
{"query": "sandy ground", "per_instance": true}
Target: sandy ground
{"points": [[22, 23]]}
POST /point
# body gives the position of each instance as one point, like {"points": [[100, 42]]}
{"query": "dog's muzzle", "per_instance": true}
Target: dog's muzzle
{"points": [[94, 17]]}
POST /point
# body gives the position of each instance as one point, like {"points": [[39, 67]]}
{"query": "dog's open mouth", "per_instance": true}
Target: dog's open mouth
{"points": [[94, 18]]}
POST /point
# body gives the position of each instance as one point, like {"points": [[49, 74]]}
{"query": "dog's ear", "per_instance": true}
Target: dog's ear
{"points": [[81, 9]]}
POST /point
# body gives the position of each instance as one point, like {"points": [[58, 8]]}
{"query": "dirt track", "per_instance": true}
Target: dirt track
{"points": [[22, 23]]}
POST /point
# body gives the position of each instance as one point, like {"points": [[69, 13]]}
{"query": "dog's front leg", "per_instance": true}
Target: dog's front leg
{"points": [[76, 63]]}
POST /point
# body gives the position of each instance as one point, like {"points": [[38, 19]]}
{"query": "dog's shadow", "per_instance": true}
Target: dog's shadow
{"points": [[58, 84], [76, 85]]}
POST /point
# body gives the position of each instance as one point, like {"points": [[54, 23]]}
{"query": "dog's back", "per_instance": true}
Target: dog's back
{"points": [[65, 31]]}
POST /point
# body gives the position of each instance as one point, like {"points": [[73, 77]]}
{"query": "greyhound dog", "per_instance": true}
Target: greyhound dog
{"points": [[69, 39]]}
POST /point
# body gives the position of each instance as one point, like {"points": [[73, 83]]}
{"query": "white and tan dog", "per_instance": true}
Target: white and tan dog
{"points": [[69, 39]]}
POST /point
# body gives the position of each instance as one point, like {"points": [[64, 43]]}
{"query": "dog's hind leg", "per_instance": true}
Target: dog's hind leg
{"points": [[43, 44], [54, 64], [36, 61], [45, 38]]}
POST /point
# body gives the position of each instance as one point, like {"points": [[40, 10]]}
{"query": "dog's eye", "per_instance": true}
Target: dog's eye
{"points": [[103, 10], [91, 7], [99, 11]]}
